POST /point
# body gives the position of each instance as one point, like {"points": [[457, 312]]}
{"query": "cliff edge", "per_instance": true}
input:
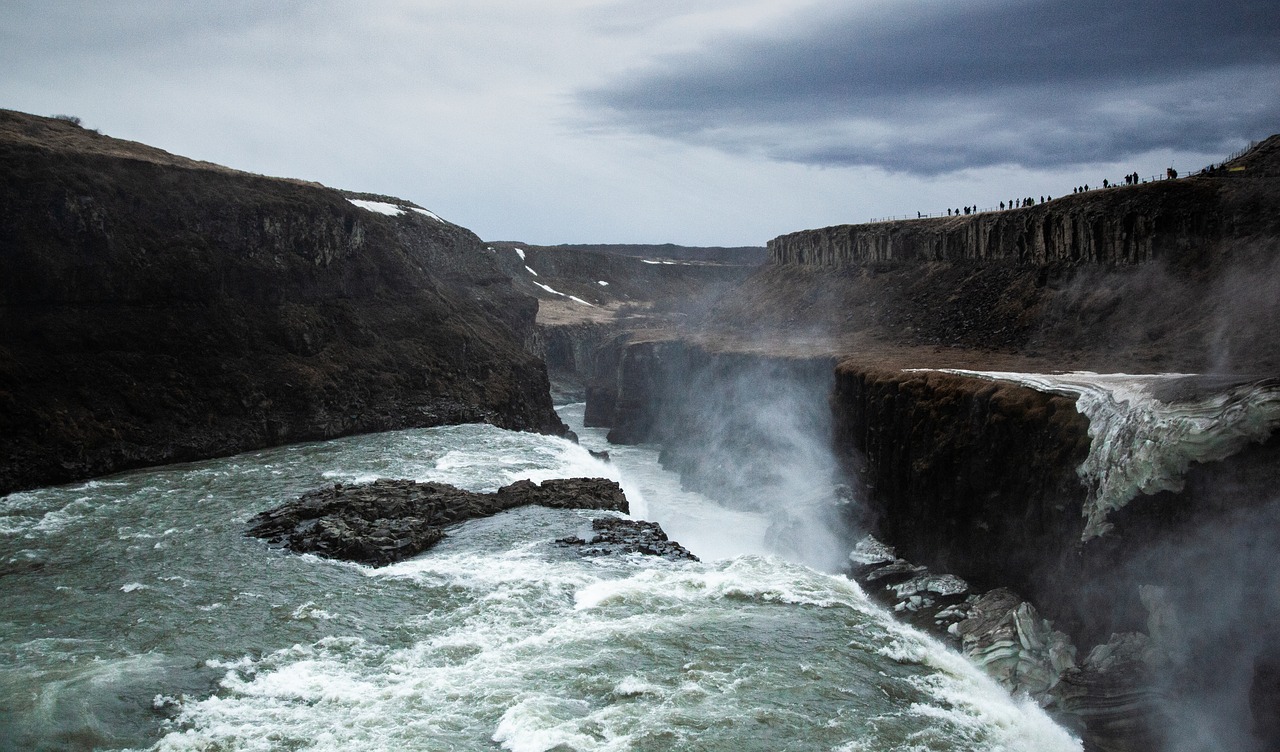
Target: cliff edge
{"points": [[1129, 224]]}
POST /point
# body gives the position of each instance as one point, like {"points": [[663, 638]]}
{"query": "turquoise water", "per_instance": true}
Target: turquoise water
{"points": [[137, 616]]}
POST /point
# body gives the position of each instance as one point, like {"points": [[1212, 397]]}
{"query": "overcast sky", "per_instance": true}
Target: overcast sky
{"points": [[721, 122]]}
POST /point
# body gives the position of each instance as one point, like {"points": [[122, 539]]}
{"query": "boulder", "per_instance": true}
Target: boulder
{"points": [[616, 537]]}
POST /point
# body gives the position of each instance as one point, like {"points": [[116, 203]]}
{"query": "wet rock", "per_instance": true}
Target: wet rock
{"points": [[1013, 643], [602, 455], [929, 601], [615, 537], [387, 521], [1113, 694]]}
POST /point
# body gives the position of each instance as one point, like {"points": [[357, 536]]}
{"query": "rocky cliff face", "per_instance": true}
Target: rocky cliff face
{"points": [[156, 309], [1115, 226], [592, 301], [1129, 225], [1169, 610], [975, 479]]}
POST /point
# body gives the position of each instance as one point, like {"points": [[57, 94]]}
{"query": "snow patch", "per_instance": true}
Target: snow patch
{"points": [[379, 207], [431, 214], [602, 283], [563, 295], [530, 270], [520, 253]]}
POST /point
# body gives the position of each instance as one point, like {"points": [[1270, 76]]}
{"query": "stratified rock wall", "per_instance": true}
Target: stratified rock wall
{"points": [[155, 309], [1120, 225], [1173, 606], [1125, 225], [580, 357], [973, 479]]}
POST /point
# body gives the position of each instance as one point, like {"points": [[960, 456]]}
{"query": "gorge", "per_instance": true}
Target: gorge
{"points": [[916, 346], [903, 380]]}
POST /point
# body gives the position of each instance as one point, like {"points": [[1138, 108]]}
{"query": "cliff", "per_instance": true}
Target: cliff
{"points": [[156, 309], [574, 281], [1115, 226], [1168, 275]]}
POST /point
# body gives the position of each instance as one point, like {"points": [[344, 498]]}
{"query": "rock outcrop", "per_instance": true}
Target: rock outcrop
{"points": [[387, 521], [988, 485], [611, 536], [158, 309]]}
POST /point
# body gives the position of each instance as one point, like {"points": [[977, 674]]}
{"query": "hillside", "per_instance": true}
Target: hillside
{"points": [[155, 309]]}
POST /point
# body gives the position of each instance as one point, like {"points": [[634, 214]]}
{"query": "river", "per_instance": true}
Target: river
{"points": [[136, 615]]}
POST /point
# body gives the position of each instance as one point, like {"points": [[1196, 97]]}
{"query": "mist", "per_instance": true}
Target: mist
{"points": [[1212, 596], [1213, 312], [756, 434]]}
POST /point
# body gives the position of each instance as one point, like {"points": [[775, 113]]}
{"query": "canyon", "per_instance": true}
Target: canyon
{"points": [[903, 346], [884, 388]]}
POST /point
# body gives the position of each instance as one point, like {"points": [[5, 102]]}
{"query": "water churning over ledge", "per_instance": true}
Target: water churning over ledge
{"points": [[1142, 444]]}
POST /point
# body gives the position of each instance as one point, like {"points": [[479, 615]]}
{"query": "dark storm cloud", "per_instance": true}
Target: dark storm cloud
{"points": [[930, 87]]}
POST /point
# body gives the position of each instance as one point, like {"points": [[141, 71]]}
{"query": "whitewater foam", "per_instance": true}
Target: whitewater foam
{"points": [[498, 636]]}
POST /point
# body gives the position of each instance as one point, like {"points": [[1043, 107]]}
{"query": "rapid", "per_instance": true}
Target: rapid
{"points": [[136, 615]]}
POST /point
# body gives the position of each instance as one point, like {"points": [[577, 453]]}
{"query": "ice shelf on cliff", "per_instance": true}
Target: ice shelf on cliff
{"points": [[1142, 445]]}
